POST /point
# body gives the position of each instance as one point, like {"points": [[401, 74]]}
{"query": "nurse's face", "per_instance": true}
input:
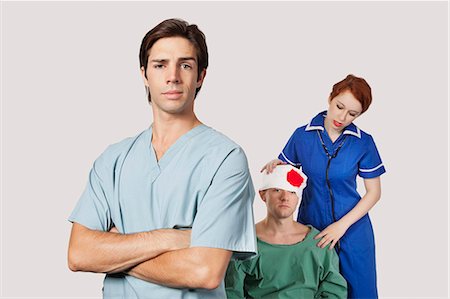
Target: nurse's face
{"points": [[343, 109], [172, 75], [280, 203]]}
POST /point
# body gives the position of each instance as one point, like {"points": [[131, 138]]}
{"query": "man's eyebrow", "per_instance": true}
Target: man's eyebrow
{"points": [[158, 60], [163, 60], [187, 58]]}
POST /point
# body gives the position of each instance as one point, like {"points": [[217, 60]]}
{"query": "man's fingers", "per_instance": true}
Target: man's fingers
{"points": [[114, 230]]}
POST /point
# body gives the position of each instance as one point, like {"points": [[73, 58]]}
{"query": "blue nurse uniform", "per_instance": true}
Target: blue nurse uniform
{"points": [[358, 155]]}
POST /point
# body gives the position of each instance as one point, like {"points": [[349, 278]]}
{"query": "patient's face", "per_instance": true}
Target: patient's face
{"points": [[280, 203]]}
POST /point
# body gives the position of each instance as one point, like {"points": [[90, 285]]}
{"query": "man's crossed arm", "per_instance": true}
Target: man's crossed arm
{"points": [[161, 256]]}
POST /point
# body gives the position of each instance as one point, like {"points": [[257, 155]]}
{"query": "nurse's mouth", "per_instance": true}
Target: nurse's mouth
{"points": [[337, 124]]}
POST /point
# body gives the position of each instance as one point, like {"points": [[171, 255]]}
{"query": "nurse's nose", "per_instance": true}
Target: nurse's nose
{"points": [[173, 75], [342, 116]]}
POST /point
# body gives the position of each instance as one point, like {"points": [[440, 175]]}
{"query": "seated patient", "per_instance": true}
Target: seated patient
{"points": [[289, 263]]}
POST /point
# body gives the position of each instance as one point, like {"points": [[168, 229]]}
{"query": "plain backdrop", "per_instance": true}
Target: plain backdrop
{"points": [[71, 86]]}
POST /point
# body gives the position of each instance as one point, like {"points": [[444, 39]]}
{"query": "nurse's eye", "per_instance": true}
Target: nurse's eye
{"points": [[340, 107], [353, 114]]}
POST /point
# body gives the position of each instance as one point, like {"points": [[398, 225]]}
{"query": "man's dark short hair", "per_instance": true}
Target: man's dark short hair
{"points": [[175, 28]]}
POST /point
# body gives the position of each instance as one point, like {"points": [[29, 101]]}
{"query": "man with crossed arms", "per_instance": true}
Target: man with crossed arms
{"points": [[164, 211]]}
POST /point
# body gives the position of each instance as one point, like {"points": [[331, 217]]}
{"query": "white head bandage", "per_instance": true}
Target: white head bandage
{"points": [[284, 177]]}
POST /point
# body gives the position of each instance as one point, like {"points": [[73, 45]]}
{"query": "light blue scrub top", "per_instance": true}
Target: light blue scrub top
{"points": [[202, 181]]}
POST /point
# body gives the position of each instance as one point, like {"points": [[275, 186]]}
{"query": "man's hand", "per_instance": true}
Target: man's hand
{"points": [[181, 238], [114, 230]]}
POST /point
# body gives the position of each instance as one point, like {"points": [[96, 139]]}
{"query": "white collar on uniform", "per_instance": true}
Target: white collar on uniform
{"points": [[317, 123]]}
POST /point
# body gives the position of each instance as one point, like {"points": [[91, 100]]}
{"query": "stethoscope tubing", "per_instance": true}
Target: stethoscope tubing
{"points": [[331, 157]]}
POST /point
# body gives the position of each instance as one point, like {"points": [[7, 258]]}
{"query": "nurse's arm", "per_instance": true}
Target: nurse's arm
{"points": [[372, 196], [335, 231], [109, 252], [195, 267]]}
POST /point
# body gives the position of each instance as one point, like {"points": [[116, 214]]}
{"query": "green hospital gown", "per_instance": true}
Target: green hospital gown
{"points": [[301, 270]]}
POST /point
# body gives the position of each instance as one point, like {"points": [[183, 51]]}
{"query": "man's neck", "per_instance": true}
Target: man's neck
{"points": [[166, 129], [281, 231]]}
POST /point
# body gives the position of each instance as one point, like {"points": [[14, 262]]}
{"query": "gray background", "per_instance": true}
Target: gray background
{"points": [[71, 86]]}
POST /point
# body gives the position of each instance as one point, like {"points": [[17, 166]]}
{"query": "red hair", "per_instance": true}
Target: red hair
{"points": [[358, 87]]}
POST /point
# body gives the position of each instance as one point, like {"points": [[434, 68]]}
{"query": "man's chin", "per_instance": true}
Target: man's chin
{"points": [[174, 107]]}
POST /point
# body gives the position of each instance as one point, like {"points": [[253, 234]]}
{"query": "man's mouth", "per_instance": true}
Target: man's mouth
{"points": [[173, 94]]}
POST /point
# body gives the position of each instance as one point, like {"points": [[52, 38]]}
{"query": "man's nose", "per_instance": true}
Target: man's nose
{"points": [[285, 195], [173, 75]]}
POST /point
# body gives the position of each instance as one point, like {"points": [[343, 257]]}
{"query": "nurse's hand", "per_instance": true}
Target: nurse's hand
{"points": [[269, 167], [331, 234]]}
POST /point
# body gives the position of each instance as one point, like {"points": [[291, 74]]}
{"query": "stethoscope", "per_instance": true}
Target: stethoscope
{"points": [[331, 157]]}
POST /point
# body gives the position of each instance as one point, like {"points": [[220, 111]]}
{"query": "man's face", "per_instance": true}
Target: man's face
{"points": [[280, 203], [171, 75]]}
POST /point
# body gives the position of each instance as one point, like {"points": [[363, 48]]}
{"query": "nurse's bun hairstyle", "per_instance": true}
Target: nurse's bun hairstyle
{"points": [[358, 87], [175, 28]]}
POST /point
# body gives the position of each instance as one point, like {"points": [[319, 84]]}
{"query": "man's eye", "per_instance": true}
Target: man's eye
{"points": [[157, 66], [277, 190], [186, 66]]}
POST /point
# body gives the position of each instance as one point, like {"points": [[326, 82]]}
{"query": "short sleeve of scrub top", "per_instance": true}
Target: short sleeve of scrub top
{"points": [[92, 209], [222, 219], [370, 164]]}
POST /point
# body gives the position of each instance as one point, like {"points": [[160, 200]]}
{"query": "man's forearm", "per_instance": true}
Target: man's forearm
{"points": [[107, 252], [197, 267]]}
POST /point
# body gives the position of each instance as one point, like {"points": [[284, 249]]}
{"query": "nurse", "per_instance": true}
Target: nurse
{"points": [[332, 151]]}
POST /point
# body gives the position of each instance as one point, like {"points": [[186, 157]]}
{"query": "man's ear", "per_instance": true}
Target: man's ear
{"points": [[201, 78], [144, 76], [261, 194]]}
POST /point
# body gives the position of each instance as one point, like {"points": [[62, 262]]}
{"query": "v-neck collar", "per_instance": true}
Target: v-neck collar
{"points": [[173, 149]]}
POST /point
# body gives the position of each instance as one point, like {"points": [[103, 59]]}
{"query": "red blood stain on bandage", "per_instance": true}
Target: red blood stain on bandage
{"points": [[294, 178]]}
